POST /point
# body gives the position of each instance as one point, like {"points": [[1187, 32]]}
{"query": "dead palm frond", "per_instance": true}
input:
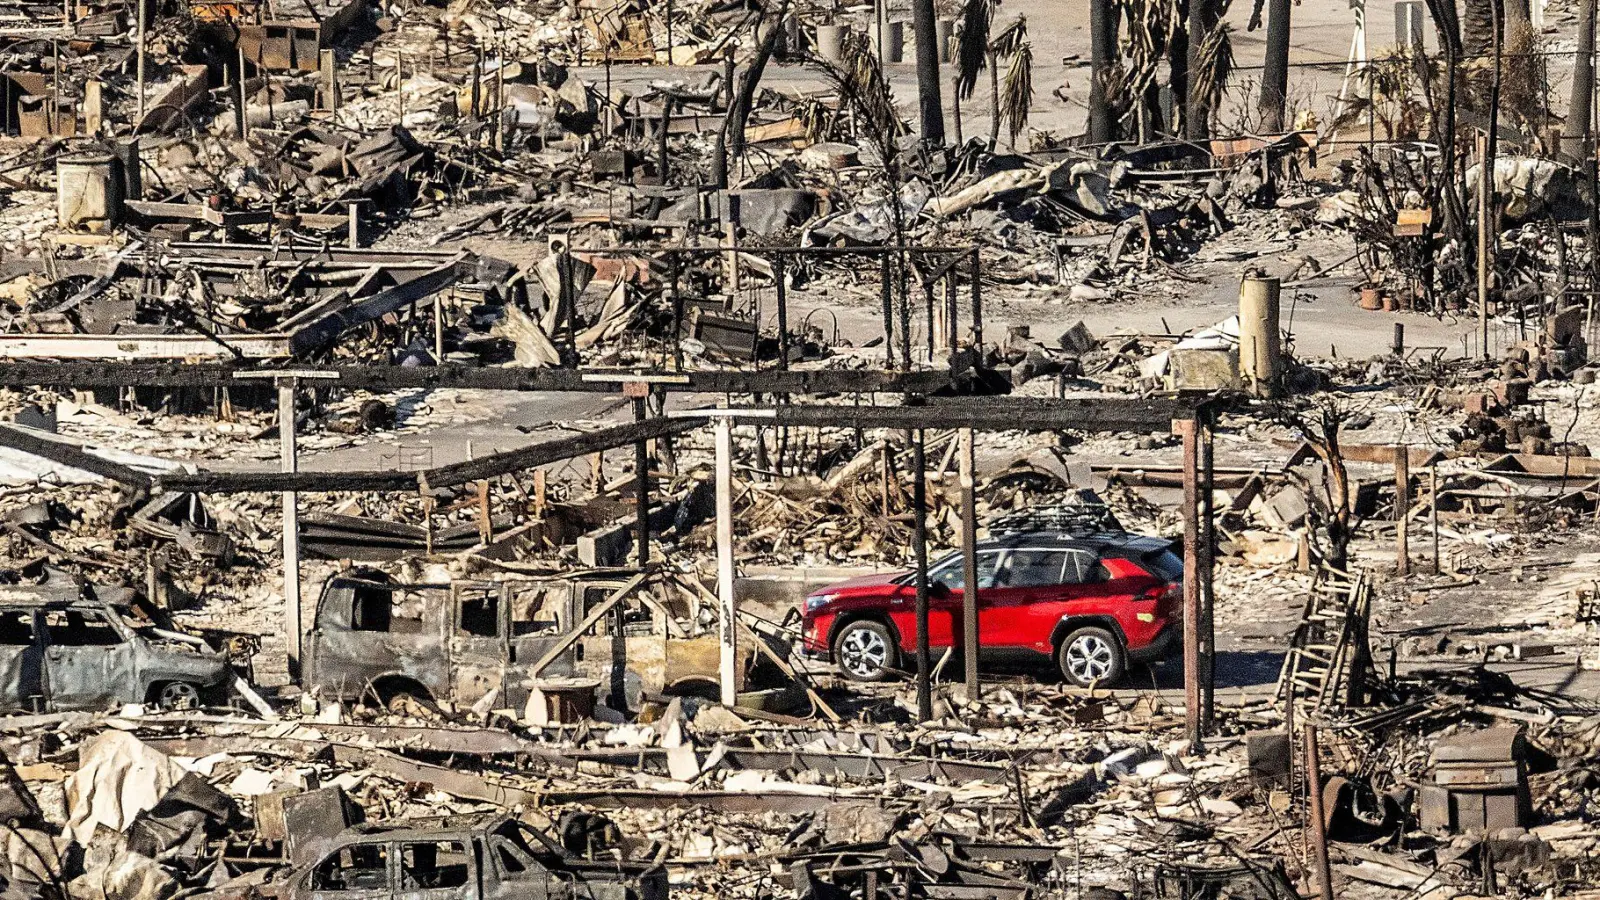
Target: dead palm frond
{"points": [[1016, 95], [1009, 41], [972, 45], [858, 80]]}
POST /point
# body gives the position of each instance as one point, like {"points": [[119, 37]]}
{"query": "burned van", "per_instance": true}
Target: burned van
{"points": [[377, 639]]}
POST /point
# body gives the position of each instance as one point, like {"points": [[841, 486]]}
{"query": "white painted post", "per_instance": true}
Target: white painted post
{"points": [[291, 524], [730, 628]]}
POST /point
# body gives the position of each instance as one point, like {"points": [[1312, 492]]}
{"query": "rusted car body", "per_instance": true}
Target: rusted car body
{"points": [[472, 858], [374, 639], [61, 648]]}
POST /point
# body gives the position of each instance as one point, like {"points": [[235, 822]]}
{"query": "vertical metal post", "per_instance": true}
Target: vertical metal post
{"points": [[919, 546], [726, 669], [290, 460], [1402, 507], [977, 301], [1319, 826], [641, 480], [1275, 75], [1433, 511], [1580, 110], [1189, 430], [1398, 345], [242, 121], [438, 328], [1103, 54], [783, 313], [886, 289], [144, 25], [1208, 554], [969, 561]]}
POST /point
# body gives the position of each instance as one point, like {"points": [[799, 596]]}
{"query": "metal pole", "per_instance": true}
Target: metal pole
{"points": [[438, 328], [1580, 110], [1319, 826], [724, 441], [291, 523], [919, 545], [926, 30], [969, 561], [1103, 54], [1189, 430], [1433, 511], [1402, 506], [641, 480], [1208, 554], [1275, 74], [783, 314]]}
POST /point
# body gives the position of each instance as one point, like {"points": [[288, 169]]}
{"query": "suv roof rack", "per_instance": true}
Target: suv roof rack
{"points": [[1083, 515]]}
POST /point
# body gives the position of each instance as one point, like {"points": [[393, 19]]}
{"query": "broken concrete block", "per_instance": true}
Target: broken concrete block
{"points": [[1286, 509], [1202, 370]]}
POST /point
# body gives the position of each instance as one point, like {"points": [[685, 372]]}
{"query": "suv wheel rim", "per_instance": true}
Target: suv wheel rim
{"points": [[179, 696], [863, 652], [1089, 658]]}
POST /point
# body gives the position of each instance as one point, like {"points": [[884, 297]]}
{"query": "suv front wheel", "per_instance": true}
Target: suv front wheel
{"points": [[1091, 656], [864, 650]]}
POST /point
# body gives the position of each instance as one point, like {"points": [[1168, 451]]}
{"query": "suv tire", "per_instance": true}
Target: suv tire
{"points": [[864, 650], [1092, 656]]}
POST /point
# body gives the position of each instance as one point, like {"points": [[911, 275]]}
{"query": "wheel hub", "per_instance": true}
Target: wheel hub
{"points": [[863, 652], [1089, 658]]}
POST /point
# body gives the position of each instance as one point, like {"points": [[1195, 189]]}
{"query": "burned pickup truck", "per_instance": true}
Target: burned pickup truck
{"points": [[375, 639], [466, 858], [63, 647]]}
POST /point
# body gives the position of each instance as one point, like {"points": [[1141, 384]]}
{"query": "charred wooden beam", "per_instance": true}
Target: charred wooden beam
{"points": [[989, 414], [72, 457], [388, 378], [493, 466]]}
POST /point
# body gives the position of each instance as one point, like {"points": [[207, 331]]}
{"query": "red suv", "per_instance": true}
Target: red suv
{"points": [[1093, 604]]}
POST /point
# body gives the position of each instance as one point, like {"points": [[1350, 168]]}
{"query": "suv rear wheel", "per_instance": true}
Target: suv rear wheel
{"points": [[1092, 655], [864, 650]]}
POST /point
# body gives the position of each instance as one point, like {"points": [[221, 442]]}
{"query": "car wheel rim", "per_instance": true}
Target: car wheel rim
{"points": [[864, 652], [1089, 658], [179, 696]]}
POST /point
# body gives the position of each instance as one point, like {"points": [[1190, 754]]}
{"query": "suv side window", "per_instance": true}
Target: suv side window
{"points": [[363, 867], [1083, 568], [434, 865], [953, 573], [80, 628], [1036, 568]]}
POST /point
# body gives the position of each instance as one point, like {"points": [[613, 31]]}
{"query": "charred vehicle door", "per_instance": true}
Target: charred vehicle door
{"points": [[353, 872], [21, 661], [88, 659], [368, 630], [479, 646]]}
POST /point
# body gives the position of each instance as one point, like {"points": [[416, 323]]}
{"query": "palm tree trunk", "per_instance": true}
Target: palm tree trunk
{"points": [[926, 32], [994, 100]]}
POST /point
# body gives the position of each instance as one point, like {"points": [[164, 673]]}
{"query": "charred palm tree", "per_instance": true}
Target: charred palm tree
{"points": [[977, 51]]}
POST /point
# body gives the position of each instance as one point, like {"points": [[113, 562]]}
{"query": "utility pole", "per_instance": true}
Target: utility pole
{"points": [[1485, 198], [1189, 430], [1275, 75], [1581, 110], [926, 31], [1103, 55]]}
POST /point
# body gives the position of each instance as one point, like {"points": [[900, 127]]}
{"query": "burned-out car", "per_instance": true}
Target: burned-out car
{"points": [[377, 639], [63, 648], [466, 858]]}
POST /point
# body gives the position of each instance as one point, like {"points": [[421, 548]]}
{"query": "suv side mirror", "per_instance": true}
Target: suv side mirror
{"points": [[938, 590]]}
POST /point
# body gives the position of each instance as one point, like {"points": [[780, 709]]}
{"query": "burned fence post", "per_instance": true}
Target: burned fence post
{"points": [[1103, 52], [969, 562], [1402, 508], [291, 521], [639, 391], [728, 630], [977, 302], [783, 313], [1208, 556], [919, 538], [1275, 74], [1189, 430]]}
